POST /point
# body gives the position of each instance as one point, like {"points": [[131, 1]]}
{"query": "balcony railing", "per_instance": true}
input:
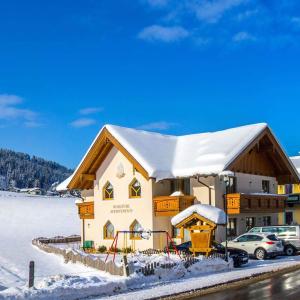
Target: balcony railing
{"points": [[86, 210], [244, 203], [171, 205]]}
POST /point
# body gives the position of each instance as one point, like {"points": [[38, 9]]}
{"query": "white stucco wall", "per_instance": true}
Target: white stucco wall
{"points": [[122, 210]]}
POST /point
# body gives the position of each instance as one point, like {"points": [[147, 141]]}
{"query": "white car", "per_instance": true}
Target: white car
{"points": [[259, 245]]}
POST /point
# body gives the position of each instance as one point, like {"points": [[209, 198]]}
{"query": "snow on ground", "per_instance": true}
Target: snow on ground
{"points": [[71, 287], [198, 282], [24, 217]]}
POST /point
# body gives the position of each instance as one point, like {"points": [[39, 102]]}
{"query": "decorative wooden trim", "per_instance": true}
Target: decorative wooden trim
{"points": [[86, 210], [251, 203], [281, 161], [94, 158], [171, 205], [87, 177], [196, 216]]}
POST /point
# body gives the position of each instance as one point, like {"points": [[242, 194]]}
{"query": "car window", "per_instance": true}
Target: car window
{"points": [[243, 238], [269, 229], [272, 237], [254, 238], [288, 230], [255, 229]]}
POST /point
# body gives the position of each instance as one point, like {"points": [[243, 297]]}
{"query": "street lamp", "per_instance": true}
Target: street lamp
{"points": [[226, 179]]}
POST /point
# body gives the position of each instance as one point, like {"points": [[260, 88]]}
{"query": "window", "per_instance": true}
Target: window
{"points": [[182, 185], [288, 188], [250, 223], [135, 190], [108, 231], [257, 229], [266, 186], [254, 238], [231, 189], [231, 227], [136, 228], [267, 221], [176, 232], [108, 191], [270, 229], [296, 188], [249, 238], [243, 238], [289, 217]]}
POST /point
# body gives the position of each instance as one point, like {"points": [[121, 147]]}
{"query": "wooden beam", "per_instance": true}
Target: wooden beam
{"points": [[88, 177]]}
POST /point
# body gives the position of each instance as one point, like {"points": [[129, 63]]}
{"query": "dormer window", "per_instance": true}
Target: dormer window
{"points": [[108, 191], [135, 190]]}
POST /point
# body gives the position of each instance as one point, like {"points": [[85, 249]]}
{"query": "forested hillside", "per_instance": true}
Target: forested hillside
{"points": [[24, 171]]}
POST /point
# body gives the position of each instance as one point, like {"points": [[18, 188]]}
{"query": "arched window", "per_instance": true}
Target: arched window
{"points": [[136, 227], [108, 191], [135, 190], [109, 231]]}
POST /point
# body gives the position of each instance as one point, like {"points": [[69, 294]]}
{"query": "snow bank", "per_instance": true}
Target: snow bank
{"points": [[24, 217], [209, 212], [71, 287]]}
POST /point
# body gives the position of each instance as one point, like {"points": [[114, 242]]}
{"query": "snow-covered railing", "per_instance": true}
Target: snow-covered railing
{"points": [[70, 255]]}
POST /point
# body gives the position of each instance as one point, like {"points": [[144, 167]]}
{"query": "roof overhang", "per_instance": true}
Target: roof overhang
{"points": [[85, 174], [267, 143]]}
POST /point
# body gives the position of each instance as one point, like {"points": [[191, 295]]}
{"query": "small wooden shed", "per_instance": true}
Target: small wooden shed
{"points": [[201, 220]]}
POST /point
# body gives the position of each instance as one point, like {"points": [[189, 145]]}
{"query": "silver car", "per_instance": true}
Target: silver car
{"points": [[259, 245], [290, 234]]}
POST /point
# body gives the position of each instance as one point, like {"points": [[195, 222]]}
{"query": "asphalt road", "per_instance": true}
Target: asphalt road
{"points": [[280, 287]]}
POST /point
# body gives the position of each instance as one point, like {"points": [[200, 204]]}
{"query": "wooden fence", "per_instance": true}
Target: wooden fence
{"points": [[74, 257]]}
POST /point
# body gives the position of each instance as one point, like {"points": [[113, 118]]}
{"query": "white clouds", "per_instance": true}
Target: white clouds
{"points": [[86, 122], [212, 11], [83, 122], [163, 33], [90, 110], [10, 111], [243, 36], [161, 125]]}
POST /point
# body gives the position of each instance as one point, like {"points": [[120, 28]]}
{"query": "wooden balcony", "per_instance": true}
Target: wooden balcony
{"points": [[255, 203], [171, 205], [86, 210]]}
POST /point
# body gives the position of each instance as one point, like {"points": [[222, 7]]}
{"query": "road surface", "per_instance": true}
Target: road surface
{"points": [[285, 286]]}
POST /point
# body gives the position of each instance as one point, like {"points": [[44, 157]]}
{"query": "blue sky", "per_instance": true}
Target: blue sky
{"points": [[68, 67]]}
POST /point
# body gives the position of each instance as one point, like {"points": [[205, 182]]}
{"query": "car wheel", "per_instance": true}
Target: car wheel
{"points": [[289, 250], [236, 264], [260, 253]]}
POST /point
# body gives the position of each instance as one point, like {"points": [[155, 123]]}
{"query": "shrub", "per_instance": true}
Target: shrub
{"points": [[102, 249]]}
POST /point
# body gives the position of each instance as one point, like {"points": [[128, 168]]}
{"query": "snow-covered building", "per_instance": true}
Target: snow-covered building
{"points": [[291, 215], [132, 179]]}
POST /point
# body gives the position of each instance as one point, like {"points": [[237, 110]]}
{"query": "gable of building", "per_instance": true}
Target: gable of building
{"points": [[249, 149]]}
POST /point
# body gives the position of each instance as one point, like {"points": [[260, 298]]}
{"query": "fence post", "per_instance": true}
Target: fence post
{"points": [[125, 266], [31, 274]]}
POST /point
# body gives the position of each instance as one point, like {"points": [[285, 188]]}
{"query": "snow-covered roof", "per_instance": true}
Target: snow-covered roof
{"points": [[296, 161], [208, 212], [63, 186], [165, 156]]}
